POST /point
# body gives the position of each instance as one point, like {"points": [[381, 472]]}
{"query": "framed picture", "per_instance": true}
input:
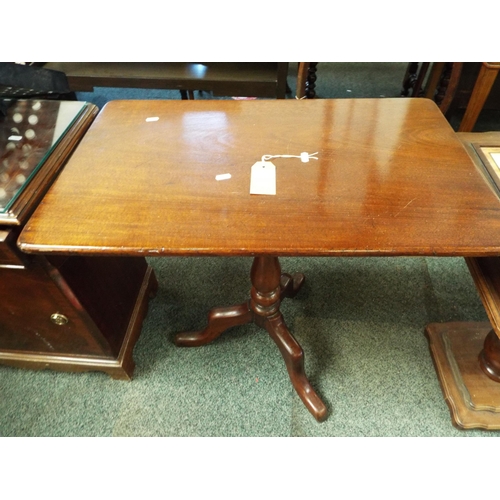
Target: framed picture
{"points": [[490, 157]]}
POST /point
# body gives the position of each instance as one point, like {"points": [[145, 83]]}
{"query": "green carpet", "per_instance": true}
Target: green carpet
{"points": [[360, 322]]}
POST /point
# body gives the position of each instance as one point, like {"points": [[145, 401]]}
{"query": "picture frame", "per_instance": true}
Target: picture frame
{"points": [[489, 155]]}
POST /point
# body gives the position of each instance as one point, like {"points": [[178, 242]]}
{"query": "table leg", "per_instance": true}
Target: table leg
{"points": [[219, 320], [294, 360], [269, 287], [291, 284]]}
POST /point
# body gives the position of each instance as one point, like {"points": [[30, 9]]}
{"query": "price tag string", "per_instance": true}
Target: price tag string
{"points": [[305, 157]]}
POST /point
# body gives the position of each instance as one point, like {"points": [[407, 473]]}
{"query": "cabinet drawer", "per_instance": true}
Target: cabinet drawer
{"points": [[36, 316]]}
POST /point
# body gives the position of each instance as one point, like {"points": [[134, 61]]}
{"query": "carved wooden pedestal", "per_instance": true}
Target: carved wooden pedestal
{"points": [[467, 355], [473, 398], [269, 287]]}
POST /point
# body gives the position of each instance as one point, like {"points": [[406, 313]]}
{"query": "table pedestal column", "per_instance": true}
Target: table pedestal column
{"points": [[489, 358], [269, 287]]}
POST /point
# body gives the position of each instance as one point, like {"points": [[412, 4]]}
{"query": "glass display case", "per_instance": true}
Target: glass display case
{"points": [[29, 133]]}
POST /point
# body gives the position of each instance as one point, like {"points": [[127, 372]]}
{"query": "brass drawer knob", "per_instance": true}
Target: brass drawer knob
{"points": [[59, 319]]}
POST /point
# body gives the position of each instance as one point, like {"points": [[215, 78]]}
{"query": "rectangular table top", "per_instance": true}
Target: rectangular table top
{"points": [[391, 179]]}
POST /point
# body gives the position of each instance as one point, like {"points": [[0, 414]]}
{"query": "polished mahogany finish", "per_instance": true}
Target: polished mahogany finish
{"points": [[74, 313], [391, 179], [489, 357]]}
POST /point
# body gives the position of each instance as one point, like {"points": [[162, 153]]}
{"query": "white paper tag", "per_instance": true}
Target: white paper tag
{"points": [[222, 177], [263, 178]]}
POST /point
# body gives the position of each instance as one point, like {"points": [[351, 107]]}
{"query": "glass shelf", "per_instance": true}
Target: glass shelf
{"points": [[29, 132]]}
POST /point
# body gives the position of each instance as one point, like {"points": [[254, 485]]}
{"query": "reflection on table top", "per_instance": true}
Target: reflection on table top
{"points": [[391, 179], [28, 134]]}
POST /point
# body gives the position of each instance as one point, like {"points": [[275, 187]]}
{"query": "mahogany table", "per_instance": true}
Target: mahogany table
{"points": [[391, 179]]}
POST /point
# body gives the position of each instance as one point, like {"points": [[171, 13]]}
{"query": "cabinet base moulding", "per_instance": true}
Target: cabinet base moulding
{"points": [[472, 397]]}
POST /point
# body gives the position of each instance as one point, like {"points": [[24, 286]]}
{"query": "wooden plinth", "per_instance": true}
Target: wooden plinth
{"points": [[473, 398]]}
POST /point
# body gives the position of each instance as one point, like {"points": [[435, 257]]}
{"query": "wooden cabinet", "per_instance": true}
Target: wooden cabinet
{"points": [[74, 313], [67, 313]]}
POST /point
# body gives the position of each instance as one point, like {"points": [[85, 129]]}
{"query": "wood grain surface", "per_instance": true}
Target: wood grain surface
{"points": [[391, 179]]}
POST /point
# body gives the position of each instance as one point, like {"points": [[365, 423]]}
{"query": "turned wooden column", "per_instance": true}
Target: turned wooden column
{"points": [[485, 272], [265, 293], [269, 287], [489, 358], [310, 89]]}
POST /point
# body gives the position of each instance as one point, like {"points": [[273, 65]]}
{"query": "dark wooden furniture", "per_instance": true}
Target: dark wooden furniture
{"points": [[306, 80], [259, 79], [471, 86], [482, 88], [302, 73], [438, 81], [391, 179], [467, 355], [66, 313]]}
